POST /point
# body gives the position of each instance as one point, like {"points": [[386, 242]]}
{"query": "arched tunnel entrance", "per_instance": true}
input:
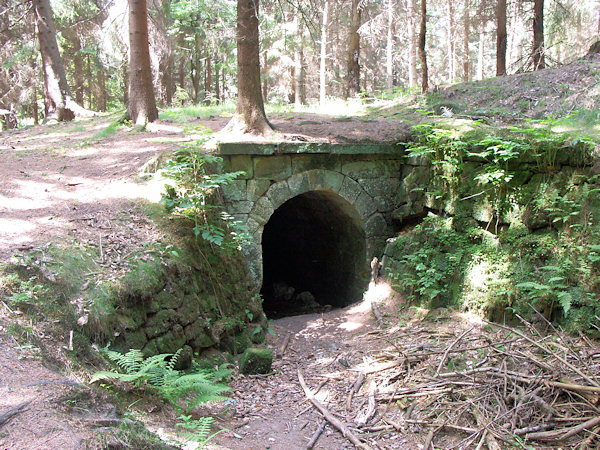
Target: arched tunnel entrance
{"points": [[314, 255]]}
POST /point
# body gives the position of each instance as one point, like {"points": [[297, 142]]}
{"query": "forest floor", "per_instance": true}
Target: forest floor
{"points": [[84, 182]]}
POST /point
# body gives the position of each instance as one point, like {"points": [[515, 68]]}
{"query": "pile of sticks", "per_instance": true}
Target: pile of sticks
{"points": [[488, 386]]}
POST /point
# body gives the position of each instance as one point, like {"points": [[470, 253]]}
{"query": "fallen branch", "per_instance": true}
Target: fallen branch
{"points": [[284, 345], [564, 433], [316, 435], [445, 355], [355, 388], [330, 417]]}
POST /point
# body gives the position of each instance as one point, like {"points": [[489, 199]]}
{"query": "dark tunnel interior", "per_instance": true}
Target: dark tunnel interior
{"points": [[314, 256]]}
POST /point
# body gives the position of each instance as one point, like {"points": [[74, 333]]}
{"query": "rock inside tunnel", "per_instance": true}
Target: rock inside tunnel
{"points": [[314, 255]]}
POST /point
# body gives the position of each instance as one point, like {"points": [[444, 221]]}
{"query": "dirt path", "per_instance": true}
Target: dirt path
{"points": [[331, 350]]}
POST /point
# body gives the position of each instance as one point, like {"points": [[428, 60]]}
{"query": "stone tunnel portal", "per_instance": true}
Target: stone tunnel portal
{"points": [[314, 254]]}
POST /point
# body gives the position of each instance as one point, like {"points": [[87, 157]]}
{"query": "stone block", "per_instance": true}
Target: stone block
{"points": [[299, 183], [252, 225], [303, 163], [253, 257], [256, 188], [241, 163], [380, 187], [365, 205], [273, 167], [135, 339], [159, 323], [256, 361], [189, 311], [172, 341], [376, 226], [350, 189], [325, 180], [241, 207], [384, 203], [365, 169], [262, 211], [279, 193], [168, 299], [235, 191]]}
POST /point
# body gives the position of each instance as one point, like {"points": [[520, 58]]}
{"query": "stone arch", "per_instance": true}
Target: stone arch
{"points": [[362, 208]]}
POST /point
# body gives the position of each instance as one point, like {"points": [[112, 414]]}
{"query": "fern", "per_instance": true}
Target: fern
{"points": [[158, 372], [197, 430]]}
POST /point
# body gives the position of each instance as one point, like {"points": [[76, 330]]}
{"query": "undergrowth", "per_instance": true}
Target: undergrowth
{"points": [[534, 248], [183, 390]]}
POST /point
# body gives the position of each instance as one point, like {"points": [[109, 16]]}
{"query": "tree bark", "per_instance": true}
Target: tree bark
{"points": [[88, 75], [208, 83], [34, 104], [422, 53], [250, 111], [299, 97], [412, 50], [141, 108], [466, 38], [71, 35], [125, 75], [539, 60], [217, 87], [353, 65], [390, 46], [451, 61], [501, 38], [101, 97], [323, 62], [58, 95], [482, 21]]}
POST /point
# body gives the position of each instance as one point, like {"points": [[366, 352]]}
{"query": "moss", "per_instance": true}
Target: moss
{"points": [[256, 361]]}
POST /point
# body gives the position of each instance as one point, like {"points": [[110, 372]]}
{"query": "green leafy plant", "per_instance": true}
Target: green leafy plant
{"points": [[159, 374], [193, 195], [197, 430]]}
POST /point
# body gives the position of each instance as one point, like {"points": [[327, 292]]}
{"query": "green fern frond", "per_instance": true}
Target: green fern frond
{"points": [[158, 372]]}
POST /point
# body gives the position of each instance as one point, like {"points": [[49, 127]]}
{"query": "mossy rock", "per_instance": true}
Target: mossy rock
{"points": [[256, 361], [236, 344]]}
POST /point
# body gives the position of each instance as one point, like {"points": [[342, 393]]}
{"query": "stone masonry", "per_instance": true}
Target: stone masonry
{"points": [[366, 176]]}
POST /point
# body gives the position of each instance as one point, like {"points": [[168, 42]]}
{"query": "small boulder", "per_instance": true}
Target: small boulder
{"points": [[283, 291], [256, 361], [307, 301]]}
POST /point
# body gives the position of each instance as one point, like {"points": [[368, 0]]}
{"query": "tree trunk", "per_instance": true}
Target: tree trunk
{"points": [[88, 75], [265, 80], [195, 74], [466, 37], [101, 97], [34, 105], [58, 95], [481, 42], [125, 75], [251, 117], [299, 97], [353, 82], [500, 38], [422, 53], [71, 35], [412, 50], [323, 62], [208, 83], [539, 60], [390, 45], [451, 61], [141, 108], [217, 87]]}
